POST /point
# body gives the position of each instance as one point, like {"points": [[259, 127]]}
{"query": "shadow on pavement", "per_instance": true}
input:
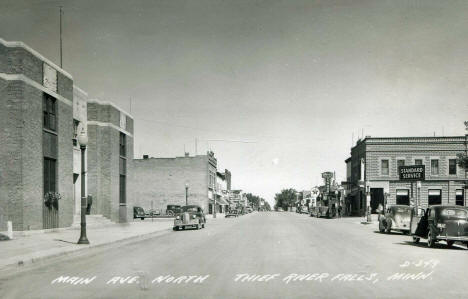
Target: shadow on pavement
{"points": [[436, 246], [391, 233]]}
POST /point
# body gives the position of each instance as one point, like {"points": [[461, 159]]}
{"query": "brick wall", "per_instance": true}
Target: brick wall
{"points": [[21, 158], [103, 158], [162, 180]]}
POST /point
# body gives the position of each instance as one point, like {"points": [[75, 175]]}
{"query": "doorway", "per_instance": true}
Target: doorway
{"points": [[377, 197]]}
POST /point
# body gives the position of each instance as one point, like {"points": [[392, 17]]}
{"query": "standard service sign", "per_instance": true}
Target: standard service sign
{"points": [[412, 173]]}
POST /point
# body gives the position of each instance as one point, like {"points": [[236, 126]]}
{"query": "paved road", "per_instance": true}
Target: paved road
{"points": [[336, 258]]}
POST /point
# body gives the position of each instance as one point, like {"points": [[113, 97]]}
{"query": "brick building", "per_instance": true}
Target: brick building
{"points": [[110, 159], [158, 182], [374, 176], [80, 117], [36, 156]]}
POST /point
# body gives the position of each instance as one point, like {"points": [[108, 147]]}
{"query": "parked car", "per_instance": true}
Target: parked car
{"points": [[138, 212], [172, 210], [232, 213], [152, 213], [440, 223], [395, 217], [190, 216]]}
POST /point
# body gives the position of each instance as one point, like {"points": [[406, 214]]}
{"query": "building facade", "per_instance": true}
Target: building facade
{"points": [[110, 160], [158, 182], [36, 156], [375, 180]]}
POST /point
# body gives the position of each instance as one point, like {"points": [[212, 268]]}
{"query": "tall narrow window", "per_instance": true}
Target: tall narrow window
{"points": [[452, 166], [122, 170], [435, 167], [49, 112], [400, 163], [384, 167]]}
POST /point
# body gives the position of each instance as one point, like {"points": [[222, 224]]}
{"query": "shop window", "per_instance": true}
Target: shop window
{"points": [[418, 162], [459, 197], [434, 197], [452, 166], [384, 167], [435, 167], [402, 197]]}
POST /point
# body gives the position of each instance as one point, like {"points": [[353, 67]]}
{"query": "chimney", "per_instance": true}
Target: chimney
{"points": [[145, 157]]}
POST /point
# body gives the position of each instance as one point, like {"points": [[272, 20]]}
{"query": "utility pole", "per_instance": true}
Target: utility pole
{"points": [[61, 61]]}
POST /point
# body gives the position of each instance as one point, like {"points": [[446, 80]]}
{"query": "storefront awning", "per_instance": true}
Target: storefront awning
{"points": [[220, 201]]}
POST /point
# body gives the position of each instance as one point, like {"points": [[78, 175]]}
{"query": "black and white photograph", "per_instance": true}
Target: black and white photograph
{"points": [[233, 149]]}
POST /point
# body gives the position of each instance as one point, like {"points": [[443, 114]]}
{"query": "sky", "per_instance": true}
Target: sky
{"points": [[279, 90]]}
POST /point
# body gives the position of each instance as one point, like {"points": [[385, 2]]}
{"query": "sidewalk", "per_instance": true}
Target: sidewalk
{"points": [[33, 248]]}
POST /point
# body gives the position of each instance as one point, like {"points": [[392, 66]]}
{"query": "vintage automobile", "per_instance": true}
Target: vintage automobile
{"points": [[440, 222], [190, 216], [138, 212], [395, 217], [152, 212], [172, 210], [232, 213]]}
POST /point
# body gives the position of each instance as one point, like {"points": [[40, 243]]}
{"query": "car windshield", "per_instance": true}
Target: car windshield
{"points": [[189, 209], [454, 213]]}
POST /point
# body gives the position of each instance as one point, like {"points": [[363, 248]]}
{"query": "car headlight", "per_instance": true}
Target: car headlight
{"points": [[178, 217], [441, 225]]}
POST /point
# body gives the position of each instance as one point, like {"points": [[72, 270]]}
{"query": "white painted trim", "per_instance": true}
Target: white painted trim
{"points": [[79, 90], [21, 77], [17, 44], [103, 124], [101, 102]]}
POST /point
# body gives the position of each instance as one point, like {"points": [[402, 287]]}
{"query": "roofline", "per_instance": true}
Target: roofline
{"points": [[12, 44], [104, 102]]}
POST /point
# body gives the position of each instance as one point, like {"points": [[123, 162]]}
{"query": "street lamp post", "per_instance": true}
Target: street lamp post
{"points": [[186, 193], [83, 140]]}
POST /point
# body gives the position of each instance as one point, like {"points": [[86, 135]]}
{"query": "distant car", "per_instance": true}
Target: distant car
{"points": [[232, 213], [172, 210], [249, 210], [395, 217], [152, 213], [190, 216], [138, 212], [440, 223]]}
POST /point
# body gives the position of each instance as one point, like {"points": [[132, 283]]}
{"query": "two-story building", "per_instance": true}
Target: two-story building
{"points": [[158, 182], [375, 179]]}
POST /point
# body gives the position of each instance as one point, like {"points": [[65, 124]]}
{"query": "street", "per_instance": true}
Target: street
{"points": [[281, 254]]}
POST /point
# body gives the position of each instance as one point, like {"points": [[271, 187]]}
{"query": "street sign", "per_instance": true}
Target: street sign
{"points": [[412, 173], [327, 175]]}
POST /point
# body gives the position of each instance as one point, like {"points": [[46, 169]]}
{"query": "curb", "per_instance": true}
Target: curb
{"points": [[29, 263]]}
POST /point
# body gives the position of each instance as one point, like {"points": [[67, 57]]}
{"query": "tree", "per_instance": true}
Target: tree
{"points": [[286, 198], [462, 161]]}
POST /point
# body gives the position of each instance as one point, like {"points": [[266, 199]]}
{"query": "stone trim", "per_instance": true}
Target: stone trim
{"points": [[103, 124], [416, 140], [21, 77], [18, 44]]}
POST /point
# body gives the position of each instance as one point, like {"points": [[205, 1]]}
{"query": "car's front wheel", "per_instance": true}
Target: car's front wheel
{"points": [[430, 239], [175, 228], [381, 227], [450, 243]]}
